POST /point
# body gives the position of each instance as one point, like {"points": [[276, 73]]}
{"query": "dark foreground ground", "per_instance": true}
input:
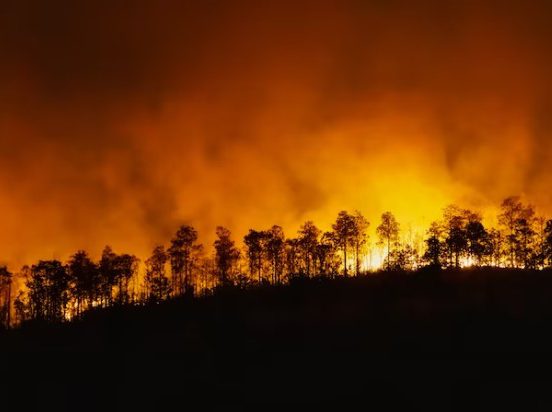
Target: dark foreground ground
{"points": [[469, 340]]}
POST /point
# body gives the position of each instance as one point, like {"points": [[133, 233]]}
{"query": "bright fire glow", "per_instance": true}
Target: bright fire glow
{"points": [[265, 115]]}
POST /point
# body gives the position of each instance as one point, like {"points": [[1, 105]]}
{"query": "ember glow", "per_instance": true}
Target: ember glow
{"points": [[119, 123]]}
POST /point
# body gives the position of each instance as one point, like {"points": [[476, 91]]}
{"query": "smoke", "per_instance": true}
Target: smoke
{"points": [[118, 122]]}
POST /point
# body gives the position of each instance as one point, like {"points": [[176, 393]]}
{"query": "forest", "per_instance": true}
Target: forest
{"points": [[459, 323], [55, 291]]}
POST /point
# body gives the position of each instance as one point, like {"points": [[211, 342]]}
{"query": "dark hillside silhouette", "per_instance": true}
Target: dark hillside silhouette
{"points": [[390, 339]]}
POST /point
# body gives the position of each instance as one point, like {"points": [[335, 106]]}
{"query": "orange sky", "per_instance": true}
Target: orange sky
{"points": [[120, 122]]}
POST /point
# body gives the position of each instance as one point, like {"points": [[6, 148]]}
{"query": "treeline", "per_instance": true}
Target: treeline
{"points": [[55, 291]]}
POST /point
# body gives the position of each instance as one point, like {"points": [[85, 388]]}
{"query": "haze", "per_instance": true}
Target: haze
{"points": [[120, 121]]}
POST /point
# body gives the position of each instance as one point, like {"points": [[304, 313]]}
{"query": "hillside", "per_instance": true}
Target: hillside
{"points": [[451, 340]]}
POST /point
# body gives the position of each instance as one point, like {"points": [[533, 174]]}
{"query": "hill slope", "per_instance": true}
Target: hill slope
{"points": [[451, 340]]}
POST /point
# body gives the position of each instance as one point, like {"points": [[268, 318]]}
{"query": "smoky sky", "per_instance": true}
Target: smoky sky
{"points": [[120, 120]]}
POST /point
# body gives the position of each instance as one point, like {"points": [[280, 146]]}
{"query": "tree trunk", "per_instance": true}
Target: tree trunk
{"points": [[260, 264], [345, 259], [388, 254], [357, 265]]}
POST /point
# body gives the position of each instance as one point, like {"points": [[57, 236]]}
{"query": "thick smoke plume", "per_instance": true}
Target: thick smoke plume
{"points": [[119, 121]]}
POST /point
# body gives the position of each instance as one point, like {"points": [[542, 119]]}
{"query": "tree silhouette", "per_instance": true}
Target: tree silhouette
{"points": [[360, 237], [538, 252], [125, 267], [254, 241], [116, 272], [494, 247], [108, 275], [455, 221], [85, 280], [308, 244], [293, 257], [48, 290], [20, 308], [434, 246], [275, 250], [183, 256], [547, 243], [21, 304], [476, 237], [344, 230], [206, 274], [404, 258], [328, 262], [157, 283], [226, 255], [388, 234], [514, 214], [55, 292], [523, 242]]}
